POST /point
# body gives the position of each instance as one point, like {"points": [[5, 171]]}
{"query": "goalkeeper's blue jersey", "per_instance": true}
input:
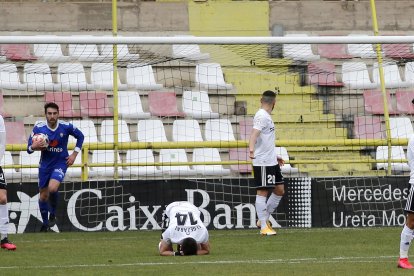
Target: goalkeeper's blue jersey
{"points": [[57, 151]]}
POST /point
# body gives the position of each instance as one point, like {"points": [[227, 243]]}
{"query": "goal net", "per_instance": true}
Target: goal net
{"points": [[176, 122]]}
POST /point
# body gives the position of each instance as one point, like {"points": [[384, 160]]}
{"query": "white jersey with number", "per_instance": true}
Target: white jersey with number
{"points": [[264, 150], [184, 223], [410, 157]]}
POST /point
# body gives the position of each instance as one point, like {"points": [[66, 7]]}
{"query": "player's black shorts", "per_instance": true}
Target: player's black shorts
{"points": [[409, 206], [267, 176], [3, 183]]}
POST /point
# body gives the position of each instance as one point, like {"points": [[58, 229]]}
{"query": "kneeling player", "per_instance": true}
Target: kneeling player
{"points": [[182, 226]]}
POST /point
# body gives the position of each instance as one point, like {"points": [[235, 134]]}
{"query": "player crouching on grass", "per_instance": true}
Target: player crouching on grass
{"points": [[182, 226]]}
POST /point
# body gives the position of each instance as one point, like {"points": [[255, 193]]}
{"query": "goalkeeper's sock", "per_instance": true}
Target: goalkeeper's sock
{"points": [[4, 221], [44, 211], [272, 204], [406, 237], [53, 200], [261, 210]]}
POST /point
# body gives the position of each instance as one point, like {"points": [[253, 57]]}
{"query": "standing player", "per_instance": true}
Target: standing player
{"points": [[185, 229], [266, 165], [54, 160], [4, 211]]}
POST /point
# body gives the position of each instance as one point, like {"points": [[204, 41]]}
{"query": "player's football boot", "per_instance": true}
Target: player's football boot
{"points": [[404, 263], [6, 244], [52, 220], [267, 231], [44, 228], [259, 224]]}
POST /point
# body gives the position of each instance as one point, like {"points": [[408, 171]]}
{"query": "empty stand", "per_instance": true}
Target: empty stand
{"points": [[107, 131], [188, 51], [368, 127], [398, 51], [2, 105], [208, 155], [94, 104], [50, 52], [105, 157], [286, 168], [404, 101], [333, 51], [219, 130], [130, 106], [9, 173], [141, 156], [401, 127], [123, 53], [15, 133], [17, 52], [374, 103], [240, 154], [76, 172], [361, 50], [355, 75], [186, 130], [301, 52], [72, 77], [39, 77], [392, 76], [85, 52], [197, 105], [141, 76], [9, 77], [397, 153], [64, 101], [30, 159], [246, 127], [323, 74], [88, 129], [409, 73], [102, 77], [210, 76], [151, 131], [172, 156], [163, 104]]}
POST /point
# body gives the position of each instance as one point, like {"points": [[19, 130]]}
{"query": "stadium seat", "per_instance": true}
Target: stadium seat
{"points": [[301, 52], [2, 106], [102, 77], [186, 130], [401, 127], [72, 77], [123, 53], [286, 168], [374, 104], [172, 156], [64, 101], [398, 51], [361, 50], [404, 101], [246, 127], [30, 159], [333, 51], [210, 76], [106, 157], [17, 52], [76, 172], [107, 131], [409, 73], [151, 131], [39, 77], [323, 74], [140, 156], [240, 154], [355, 75], [219, 130], [15, 133], [397, 153], [50, 52], [88, 129], [197, 105], [208, 155], [368, 127], [164, 104], [9, 173], [130, 107], [94, 104], [85, 52], [141, 77], [391, 76], [9, 77], [188, 51]]}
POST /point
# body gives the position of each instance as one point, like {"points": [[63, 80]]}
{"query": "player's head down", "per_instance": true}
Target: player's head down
{"points": [[189, 247]]}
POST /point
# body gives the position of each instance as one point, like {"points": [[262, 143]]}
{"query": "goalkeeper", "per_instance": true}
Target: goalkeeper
{"points": [[182, 226]]}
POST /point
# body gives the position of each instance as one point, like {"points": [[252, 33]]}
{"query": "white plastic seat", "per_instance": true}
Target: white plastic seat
{"points": [[208, 155], [140, 156], [391, 76], [102, 77], [72, 76], [30, 159], [175, 155], [186, 130], [130, 106], [219, 130], [88, 129], [197, 105], [84, 52], [76, 172], [9, 77], [123, 53], [50, 52], [361, 50], [401, 127], [301, 52], [8, 160], [409, 73], [141, 77], [188, 51], [287, 168], [106, 157], [397, 152], [151, 131], [210, 76], [39, 77], [107, 131], [355, 75]]}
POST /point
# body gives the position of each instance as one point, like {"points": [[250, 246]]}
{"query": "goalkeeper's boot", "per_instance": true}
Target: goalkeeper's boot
{"points": [[52, 220], [267, 231], [404, 263], [6, 244]]}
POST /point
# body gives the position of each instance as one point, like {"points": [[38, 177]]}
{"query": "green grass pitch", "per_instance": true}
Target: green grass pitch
{"points": [[365, 251]]}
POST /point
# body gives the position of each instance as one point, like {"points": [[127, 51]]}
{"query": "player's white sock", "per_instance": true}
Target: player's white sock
{"points": [[4, 221], [406, 237], [261, 210], [272, 204]]}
